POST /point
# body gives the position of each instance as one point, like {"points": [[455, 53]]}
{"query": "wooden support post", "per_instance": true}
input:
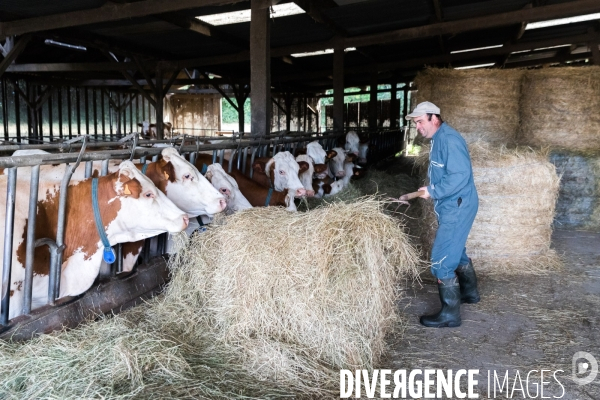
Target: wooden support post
{"points": [[70, 113], [4, 109], [160, 133], [50, 122], [373, 101], [404, 106], [102, 113], [394, 107], [59, 92], [260, 67], [17, 112], [338, 89], [86, 104], [78, 108], [95, 107]]}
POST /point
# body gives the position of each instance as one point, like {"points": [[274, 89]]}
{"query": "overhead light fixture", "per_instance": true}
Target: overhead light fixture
{"points": [[562, 21], [320, 52], [541, 48], [477, 48], [51, 42], [237, 17], [476, 66], [210, 75]]}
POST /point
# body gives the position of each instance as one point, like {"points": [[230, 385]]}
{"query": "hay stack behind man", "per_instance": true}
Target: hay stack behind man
{"points": [[453, 191]]}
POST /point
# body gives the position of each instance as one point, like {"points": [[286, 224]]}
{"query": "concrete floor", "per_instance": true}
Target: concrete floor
{"points": [[522, 324]]}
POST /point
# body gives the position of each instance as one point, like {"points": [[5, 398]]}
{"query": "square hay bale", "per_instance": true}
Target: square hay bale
{"points": [[482, 104], [517, 191], [559, 108], [578, 205]]}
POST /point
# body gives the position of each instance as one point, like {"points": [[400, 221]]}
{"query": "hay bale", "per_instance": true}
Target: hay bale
{"points": [[481, 104], [559, 108], [517, 195], [578, 205], [299, 295]]}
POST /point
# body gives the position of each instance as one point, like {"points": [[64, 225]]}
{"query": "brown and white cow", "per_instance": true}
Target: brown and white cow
{"points": [[228, 187], [131, 208], [257, 195], [320, 158], [306, 174]]}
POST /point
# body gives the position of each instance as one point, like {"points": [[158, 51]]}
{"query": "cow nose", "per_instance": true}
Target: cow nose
{"points": [[186, 221], [223, 204], [300, 192], [340, 174], [310, 193]]}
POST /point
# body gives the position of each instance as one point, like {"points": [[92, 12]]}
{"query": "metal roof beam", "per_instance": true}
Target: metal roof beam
{"points": [[106, 13]]}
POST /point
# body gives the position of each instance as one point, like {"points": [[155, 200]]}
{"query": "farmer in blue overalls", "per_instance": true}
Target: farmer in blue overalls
{"points": [[455, 200]]}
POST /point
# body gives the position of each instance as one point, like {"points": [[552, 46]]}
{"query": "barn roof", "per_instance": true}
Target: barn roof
{"points": [[128, 40]]}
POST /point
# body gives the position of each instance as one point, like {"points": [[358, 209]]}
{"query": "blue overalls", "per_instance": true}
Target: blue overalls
{"points": [[453, 191]]}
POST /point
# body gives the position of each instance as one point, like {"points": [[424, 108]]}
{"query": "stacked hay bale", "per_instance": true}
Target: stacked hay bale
{"points": [[578, 203], [517, 195], [296, 298], [480, 104], [559, 108]]}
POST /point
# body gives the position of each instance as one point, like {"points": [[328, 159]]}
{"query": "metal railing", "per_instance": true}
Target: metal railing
{"points": [[73, 152]]}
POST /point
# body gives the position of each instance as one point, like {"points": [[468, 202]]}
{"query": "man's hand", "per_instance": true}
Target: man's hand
{"points": [[426, 195]]}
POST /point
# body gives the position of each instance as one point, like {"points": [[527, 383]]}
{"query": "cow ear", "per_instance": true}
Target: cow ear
{"points": [[331, 154], [327, 188], [259, 166], [169, 152], [303, 166], [169, 172], [129, 186]]}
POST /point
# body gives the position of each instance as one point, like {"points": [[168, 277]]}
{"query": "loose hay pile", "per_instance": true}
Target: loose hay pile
{"points": [[578, 203], [559, 108], [517, 196], [481, 104], [268, 305], [298, 296]]}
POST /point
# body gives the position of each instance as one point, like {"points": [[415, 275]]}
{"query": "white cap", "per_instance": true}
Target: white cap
{"points": [[423, 108]]}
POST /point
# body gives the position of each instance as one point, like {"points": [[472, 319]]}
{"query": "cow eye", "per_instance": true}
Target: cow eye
{"points": [[149, 195], [281, 172], [187, 176], [223, 190]]}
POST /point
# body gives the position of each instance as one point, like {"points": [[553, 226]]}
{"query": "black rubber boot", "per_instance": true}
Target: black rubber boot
{"points": [[468, 283], [449, 315]]}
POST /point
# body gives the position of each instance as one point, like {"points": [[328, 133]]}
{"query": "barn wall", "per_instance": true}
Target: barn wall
{"points": [[356, 114], [194, 114]]}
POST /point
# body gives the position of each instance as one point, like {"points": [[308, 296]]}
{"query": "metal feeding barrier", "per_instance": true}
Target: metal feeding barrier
{"points": [[73, 152]]}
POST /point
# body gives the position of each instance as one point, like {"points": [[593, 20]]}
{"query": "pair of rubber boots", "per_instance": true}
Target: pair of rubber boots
{"points": [[453, 291]]}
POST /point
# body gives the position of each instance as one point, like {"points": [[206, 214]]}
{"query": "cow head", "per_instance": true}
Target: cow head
{"points": [[316, 152], [283, 170], [307, 170], [145, 211], [188, 189], [228, 187], [336, 164], [352, 141]]}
